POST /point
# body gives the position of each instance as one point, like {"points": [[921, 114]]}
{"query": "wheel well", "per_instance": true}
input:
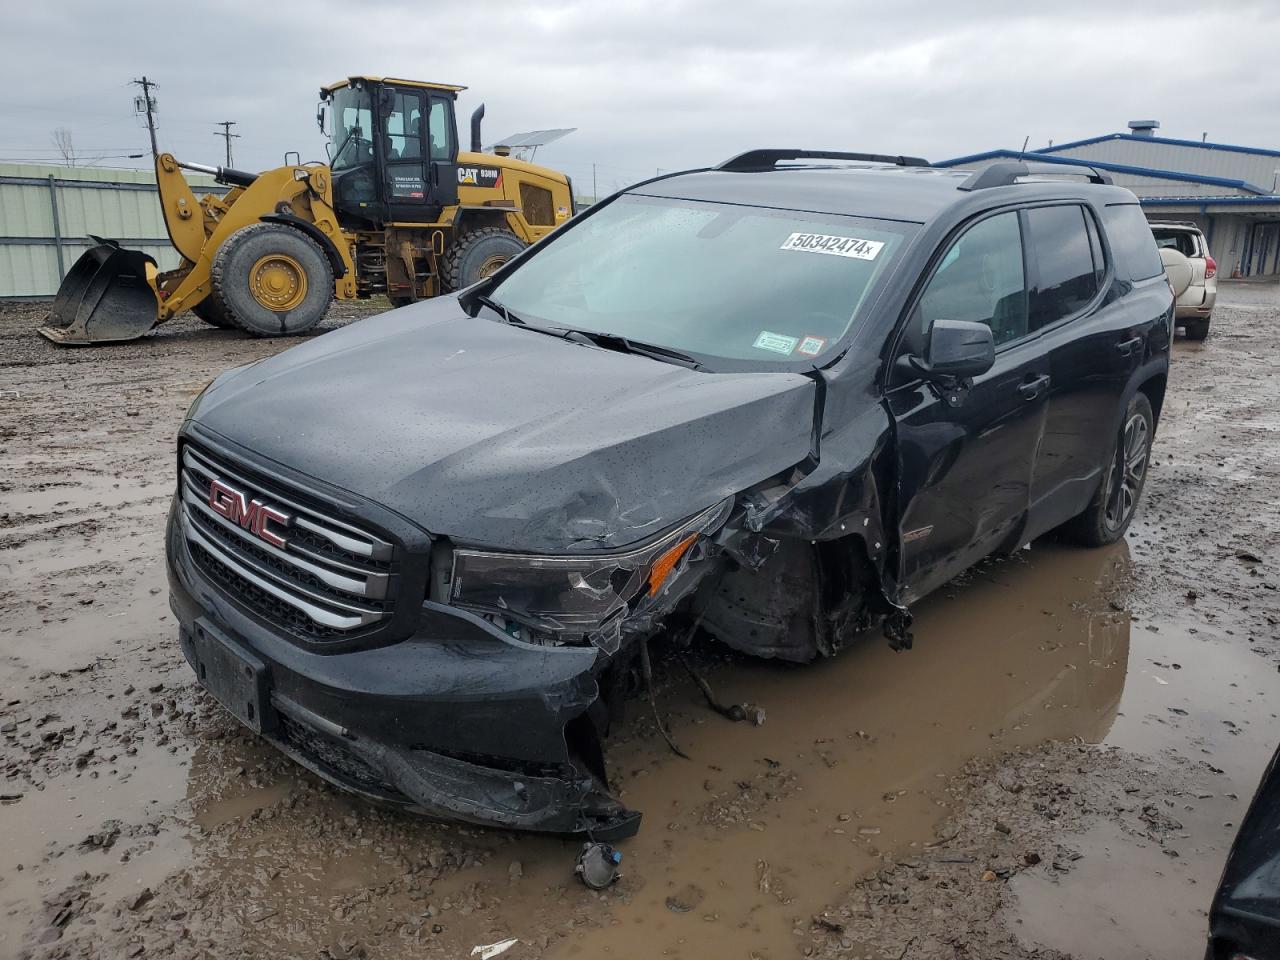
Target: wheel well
{"points": [[470, 220], [1154, 387], [315, 233]]}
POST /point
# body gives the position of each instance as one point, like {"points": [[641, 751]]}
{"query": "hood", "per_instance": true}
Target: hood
{"points": [[503, 437]]}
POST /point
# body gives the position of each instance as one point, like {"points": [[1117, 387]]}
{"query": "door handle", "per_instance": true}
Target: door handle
{"points": [[1030, 389], [1126, 347]]}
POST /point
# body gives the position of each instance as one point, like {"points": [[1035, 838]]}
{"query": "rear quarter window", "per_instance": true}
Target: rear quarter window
{"points": [[1068, 277], [1132, 244]]}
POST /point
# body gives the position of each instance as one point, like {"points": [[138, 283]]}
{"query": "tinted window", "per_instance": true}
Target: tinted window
{"points": [[1065, 263], [1131, 242], [980, 278]]}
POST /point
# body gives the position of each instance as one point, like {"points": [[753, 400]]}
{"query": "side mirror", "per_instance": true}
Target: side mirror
{"points": [[958, 348], [322, 113]]}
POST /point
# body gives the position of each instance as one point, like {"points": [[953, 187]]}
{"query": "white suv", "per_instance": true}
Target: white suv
{"points": [[1196, 303]]}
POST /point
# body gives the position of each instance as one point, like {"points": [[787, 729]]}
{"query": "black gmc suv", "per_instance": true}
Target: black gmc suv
{"points": [[774, 401]]}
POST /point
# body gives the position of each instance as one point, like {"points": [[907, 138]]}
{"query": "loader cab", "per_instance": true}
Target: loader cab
{"points": [[393, 149]]}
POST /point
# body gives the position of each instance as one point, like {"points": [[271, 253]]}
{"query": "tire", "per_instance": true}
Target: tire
{"points": [[477, 254], [213, 313], [1196, 329], [1111, 510], [272, 280]]}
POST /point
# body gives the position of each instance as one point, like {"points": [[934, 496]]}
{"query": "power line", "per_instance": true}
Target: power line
{"points": [[228, 136]]}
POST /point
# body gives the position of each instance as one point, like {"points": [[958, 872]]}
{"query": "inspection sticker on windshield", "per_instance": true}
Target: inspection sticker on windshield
{"points": [[777, 342], [836, 246], [811, 346]]}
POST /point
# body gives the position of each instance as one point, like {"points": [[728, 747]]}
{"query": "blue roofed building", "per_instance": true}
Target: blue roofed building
{"points": [[1231, 192]]}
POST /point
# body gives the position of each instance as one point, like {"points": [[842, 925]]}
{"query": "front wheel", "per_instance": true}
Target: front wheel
{"points": [[1111, 511], [213, 313], [273, 280]]}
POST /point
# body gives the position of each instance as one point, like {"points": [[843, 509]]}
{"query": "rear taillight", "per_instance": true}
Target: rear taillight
{"points": [[1210, 267]]}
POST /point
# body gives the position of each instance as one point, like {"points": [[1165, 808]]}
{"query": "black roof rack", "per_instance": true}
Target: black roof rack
{"points": [[1010, 171], [767, 159]]}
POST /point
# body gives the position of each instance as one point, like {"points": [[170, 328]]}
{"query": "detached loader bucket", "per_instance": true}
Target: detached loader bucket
{"points": [[105, 297]]}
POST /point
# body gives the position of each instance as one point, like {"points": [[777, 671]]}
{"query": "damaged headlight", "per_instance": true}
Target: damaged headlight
{"points": [[575, 598]]}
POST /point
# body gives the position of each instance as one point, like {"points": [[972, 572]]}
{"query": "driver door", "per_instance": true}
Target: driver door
{"points": [[420, 156], [404, 164], [966, 450]]}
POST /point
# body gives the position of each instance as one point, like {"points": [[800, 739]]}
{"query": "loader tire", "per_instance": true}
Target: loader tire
{"points": [[478, 254], [273, 280], [212, 312]]}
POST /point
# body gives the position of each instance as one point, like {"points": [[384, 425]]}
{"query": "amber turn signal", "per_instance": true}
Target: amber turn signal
{"points": [[663, 566]]}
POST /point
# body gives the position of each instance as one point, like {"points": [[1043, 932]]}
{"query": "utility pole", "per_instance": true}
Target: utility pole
{"points": [[146, 104], [594, 195], [228, 136]]}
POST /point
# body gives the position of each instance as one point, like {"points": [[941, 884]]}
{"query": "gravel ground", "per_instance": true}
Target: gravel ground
{"points": [[1055, 770]]}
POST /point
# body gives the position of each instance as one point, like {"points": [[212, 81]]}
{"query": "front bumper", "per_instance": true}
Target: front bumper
{"points": [[457, 722]]}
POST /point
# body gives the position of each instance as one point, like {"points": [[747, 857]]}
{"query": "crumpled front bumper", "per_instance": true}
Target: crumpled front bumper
{"points": [[458, 722]]}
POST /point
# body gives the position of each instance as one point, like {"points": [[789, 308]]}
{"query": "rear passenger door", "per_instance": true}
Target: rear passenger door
{"points": [[1094, 342], [966, 450]]}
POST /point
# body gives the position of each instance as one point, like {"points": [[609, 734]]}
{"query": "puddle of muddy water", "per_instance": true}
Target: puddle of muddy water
{"points": [[1023, 652], [1208, 702]]}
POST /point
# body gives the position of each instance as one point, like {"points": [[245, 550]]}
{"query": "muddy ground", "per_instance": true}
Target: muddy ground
{"points": [[1055, 770]]}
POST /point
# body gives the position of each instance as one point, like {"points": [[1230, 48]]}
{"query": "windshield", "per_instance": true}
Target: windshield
{"points": [[352, 142], [708, 279]]}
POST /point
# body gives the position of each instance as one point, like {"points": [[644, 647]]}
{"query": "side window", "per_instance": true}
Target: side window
{"points": [[1064, 258], [439, 130], [404, 128], [981, 278], [1131, 242]]}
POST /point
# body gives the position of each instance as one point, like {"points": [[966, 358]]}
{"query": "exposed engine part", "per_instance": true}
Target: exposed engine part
{"points": [[737, 712], [597, 865]]}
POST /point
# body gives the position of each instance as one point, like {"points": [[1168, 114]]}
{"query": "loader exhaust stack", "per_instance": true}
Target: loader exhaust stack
{"points": [[476, 117], [106, 296]]}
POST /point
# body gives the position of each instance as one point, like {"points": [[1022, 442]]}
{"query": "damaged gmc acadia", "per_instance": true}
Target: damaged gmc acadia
{"points": [[778, 402]]}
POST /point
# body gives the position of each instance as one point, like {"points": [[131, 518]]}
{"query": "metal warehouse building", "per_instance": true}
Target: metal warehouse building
{"points": [[47, 213], [1229, 191]]}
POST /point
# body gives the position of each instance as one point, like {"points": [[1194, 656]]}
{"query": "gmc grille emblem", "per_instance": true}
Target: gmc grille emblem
{"points": [[253, 515]]}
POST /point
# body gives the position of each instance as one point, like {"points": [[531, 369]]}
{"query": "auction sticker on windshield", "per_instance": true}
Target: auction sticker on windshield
{"points": [[776, 342], [836, 246]]}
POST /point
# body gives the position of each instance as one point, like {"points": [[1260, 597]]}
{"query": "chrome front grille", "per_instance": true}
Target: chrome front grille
{"points": [[290, 562]]}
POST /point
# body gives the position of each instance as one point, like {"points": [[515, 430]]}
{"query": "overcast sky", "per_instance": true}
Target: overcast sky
{"points": [[648, 85]]}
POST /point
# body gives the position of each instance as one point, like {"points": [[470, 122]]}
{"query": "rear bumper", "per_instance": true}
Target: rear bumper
{"points": [[457, 722], [1197, 301]]}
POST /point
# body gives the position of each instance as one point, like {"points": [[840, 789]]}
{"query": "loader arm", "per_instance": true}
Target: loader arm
{"points": [[302, 194], [183, 216], [111, 294]]}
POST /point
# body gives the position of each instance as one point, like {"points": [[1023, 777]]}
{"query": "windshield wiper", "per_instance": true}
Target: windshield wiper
{"points": [[621, 344], [498, 308], [606, 341]]}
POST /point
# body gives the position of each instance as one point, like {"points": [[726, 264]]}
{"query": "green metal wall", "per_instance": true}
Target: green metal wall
{"points": [[117, 204]]}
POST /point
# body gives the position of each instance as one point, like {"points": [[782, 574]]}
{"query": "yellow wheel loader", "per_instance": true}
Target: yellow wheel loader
{"points": [[398, 210]]}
